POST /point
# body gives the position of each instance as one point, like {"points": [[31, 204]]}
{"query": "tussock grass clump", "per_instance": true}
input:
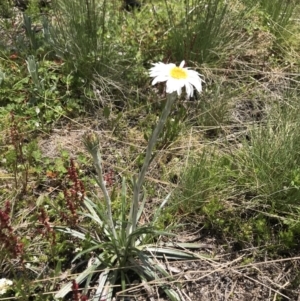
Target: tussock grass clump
{"points": [[251, 192], [79, 35], [206, 31]]}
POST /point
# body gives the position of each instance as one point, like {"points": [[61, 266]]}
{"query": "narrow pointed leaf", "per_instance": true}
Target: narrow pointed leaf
{"points": [[79, 279], [73, 233], [102, 281], [97, 247], [94, 214], [158, 210], [170, 253], [142, 205]]}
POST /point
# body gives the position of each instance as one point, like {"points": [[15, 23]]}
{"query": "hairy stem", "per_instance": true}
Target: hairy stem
{"points": [[141, 176]]}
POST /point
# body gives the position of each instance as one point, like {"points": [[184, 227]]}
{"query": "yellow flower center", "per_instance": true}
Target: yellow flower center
{"points": [[178, 73]]}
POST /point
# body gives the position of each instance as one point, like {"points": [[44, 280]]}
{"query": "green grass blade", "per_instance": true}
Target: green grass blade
{"points": [[158, 210]]}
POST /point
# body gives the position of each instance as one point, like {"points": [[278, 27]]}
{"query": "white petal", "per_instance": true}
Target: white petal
{"points": [[179, 82], [159, 79], [197, 83], [179, 91], [182, 64], [160, 69], [154, 82], [189, 90], [170, 87]]}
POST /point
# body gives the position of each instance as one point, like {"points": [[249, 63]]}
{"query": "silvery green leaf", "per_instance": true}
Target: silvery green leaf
{"points": [[149, 268], [123, 220], [101, 286], [106, 283], [171, 294], [71, 232], [88, 203], [187, 245], [142, 205], [79, 279], [74, 233], [169, 253]]}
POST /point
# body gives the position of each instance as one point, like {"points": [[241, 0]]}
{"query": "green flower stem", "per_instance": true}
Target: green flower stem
{"points": [[97, 161], [141, 177]]}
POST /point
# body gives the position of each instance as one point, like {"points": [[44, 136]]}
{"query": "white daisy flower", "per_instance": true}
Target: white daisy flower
{"points": [[4, 285], [176, 78]]}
